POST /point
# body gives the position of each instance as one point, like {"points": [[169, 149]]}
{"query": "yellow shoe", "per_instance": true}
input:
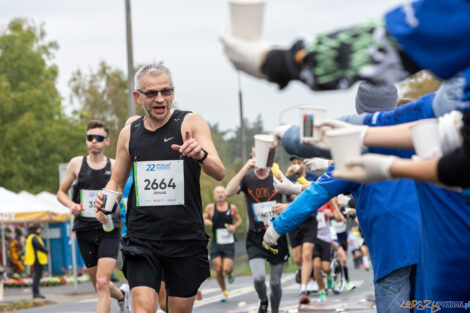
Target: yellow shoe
{"points": [[224, 296]]}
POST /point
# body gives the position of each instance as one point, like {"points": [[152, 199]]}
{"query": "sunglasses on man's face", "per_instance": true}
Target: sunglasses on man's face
{"points": [[152, 94], [98, 138]]}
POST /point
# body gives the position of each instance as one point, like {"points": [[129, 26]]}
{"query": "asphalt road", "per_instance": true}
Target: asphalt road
{"points": [[243, 298]]}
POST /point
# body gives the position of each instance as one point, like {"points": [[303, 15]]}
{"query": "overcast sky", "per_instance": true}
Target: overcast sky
{"points": [[184, 35]]}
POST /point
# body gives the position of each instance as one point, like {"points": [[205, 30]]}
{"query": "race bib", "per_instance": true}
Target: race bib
{"points": [[87, 200], [321, 220], [223, 236], [159, 183], [263, 212]]}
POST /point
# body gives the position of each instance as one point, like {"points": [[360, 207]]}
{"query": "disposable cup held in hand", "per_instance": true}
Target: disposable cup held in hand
{"points": [[109, 200], [308, 116], [425, 135], [247, 18], [264, 151], [345, 146]]}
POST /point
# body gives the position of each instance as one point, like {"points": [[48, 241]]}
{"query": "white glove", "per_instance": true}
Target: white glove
{"points": [[449, 126], [247, 56], [271, 236], [279, 132], [328, 124], [343, 200], [373, 168], [317, 164], [285, 186]]}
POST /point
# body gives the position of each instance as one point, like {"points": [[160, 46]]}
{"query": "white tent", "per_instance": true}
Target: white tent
{"points": [[26, 207]]}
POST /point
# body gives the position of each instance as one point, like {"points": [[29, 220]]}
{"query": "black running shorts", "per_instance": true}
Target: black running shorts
{"points": [[322, 250], [144, 266], [224, 251], [95, 244], [255, 250], [305, 232]]}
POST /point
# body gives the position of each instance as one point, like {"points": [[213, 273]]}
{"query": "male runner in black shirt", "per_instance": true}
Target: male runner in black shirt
{"points": [[165, 231]]}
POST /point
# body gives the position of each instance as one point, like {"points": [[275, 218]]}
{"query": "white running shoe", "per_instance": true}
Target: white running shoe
{"points": [[312, 286], [125, 305]]}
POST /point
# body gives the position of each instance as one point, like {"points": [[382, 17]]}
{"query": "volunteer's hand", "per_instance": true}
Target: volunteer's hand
{"points": [[245, 55], [190, 148], [285, 186], [450, 137], [374, 168], [271, 236], [328, 124], [317, 164], [343, 200], [278, 208], [75, 209], [279, 132]]}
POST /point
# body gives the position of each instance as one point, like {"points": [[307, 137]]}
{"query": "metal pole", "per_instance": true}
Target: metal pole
{"points": [[49, 255], [74, 256], [130, 62], [242, 121]]}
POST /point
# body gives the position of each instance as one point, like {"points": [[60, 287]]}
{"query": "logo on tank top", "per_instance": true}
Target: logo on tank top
{"points": [[168, 139], [107, 173]]}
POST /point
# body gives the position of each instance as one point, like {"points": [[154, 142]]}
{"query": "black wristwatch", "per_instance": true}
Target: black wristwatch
{"points": [[204, 157]]}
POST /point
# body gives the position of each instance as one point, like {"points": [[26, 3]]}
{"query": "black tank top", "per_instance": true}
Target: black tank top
{"points": [[166, 222], [91, 179], [219, 219]]}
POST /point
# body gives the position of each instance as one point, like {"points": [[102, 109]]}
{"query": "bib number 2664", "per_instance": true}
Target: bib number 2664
{"points": [[159, 183]]}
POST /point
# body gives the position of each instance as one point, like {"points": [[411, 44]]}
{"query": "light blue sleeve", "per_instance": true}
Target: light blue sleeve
{"points": [[303, 206], [291, 143]]}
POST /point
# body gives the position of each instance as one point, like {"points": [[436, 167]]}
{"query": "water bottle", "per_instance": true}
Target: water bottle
{"points": [[109, 226]]}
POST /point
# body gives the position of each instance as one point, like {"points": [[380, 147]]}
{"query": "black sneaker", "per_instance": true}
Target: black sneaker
{"points": [[263, 307], [297, 276]]}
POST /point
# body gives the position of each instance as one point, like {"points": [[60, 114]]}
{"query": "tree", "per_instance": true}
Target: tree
{"points": [[102, 94], [36, 134]]}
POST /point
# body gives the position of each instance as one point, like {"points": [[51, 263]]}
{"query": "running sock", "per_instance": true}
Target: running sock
{"points": [[365, 260], [346, 273], [303, 288]]}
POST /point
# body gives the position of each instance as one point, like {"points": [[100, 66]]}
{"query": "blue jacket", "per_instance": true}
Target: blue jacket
{"points": [[434, 34]]}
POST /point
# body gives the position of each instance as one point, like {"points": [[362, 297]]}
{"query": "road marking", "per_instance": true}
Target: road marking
{"points": [[235, 293]]}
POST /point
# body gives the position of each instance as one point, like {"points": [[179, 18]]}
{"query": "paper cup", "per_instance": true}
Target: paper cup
{"points": [[264, 151], [425, 135], [345, 146], [109, 200], [308, 115], [247, 18]]}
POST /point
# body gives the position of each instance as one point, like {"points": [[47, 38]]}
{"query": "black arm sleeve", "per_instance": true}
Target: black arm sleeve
{"points": [[453, 169], [38, 246]]}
